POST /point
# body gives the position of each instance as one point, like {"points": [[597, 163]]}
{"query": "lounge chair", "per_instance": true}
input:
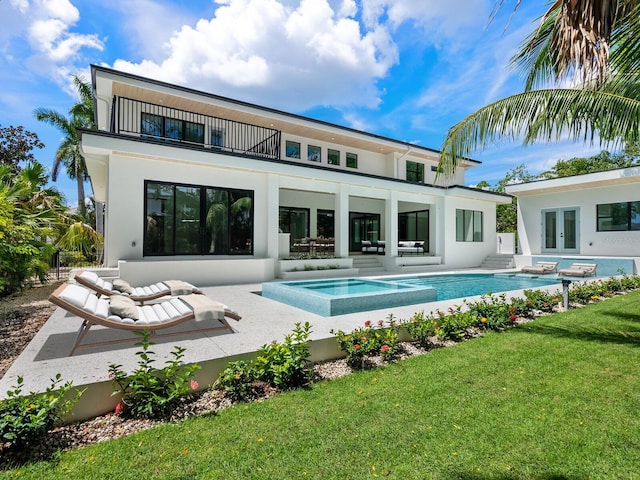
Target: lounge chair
{"points": [[137, 294], [579, 270], [540, 268], [122, 313]]}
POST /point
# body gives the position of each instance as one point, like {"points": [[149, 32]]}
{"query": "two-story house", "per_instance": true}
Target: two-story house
{"points": [[203, 188]]}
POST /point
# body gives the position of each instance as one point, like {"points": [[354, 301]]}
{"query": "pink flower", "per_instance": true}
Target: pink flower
{"points": [[384, 348], [194, 385], [513, 318], [380, 323], [119, 408], [367, 323]]}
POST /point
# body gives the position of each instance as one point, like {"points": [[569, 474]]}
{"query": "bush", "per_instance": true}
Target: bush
{"points": [[454, 326], [421, 328], [286, 365], [368, 341], [150, 392], [25, 419], [541, 300], [236, 380]]}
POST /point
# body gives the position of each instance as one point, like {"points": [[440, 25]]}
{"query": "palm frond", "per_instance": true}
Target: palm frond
{"points": [[544, 115]]}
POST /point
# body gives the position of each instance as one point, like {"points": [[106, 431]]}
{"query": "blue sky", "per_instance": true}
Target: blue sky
{"points": [[406, 69]]}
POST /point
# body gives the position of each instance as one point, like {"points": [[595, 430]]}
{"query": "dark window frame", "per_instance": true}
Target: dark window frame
{"points": [[415, 171], [461, 236], [295, 149], [162, 130], [333, 153], [351, 160], [616, 217], [202, 247]]}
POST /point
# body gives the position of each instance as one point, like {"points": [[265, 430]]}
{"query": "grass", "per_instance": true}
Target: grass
{"points": [[557, 398]]}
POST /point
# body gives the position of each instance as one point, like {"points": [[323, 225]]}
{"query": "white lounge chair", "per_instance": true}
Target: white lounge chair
{"points": [[122, 313], [579, 270], [540, 268], [137, 294]]}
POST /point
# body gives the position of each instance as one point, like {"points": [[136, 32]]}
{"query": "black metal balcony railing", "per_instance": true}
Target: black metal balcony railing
{"points": [[149, 120]]}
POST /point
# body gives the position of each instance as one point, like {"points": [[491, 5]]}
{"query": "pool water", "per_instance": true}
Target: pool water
{"points": [[348, 295], [351, 286], [467, 285]]}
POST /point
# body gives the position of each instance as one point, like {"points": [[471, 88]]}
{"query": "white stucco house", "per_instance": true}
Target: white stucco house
{"points": [[214, 190], [594, 216]]}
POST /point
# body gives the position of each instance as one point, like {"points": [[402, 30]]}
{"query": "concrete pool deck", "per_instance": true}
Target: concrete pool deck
{"points": [[263, 321]]}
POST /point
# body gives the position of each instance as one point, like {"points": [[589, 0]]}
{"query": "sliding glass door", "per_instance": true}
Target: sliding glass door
{"points": [[363, 226]]}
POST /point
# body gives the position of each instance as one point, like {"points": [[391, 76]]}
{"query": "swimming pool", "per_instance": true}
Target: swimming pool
{"points": [[339, 296]]}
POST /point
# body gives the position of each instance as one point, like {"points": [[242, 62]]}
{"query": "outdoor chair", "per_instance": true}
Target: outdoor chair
{"points": [[137, 294], [541, 268], [120, 312], [579, 270]]}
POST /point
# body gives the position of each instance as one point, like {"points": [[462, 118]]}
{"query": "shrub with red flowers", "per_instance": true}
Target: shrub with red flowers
{"points": [[369, 341]]}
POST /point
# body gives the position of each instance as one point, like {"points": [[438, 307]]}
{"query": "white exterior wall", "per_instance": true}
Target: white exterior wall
{"points": [[591, 242], [468, 254]]}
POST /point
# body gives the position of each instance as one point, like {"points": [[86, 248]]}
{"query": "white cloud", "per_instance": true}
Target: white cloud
{"points": [[46, 26], [296, 55]]}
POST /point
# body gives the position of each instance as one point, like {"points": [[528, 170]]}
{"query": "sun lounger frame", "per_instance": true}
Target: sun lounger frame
{"points": [[89, 320]]}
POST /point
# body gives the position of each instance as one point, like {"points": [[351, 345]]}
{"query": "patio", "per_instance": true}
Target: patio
{"points": [[263, 321]]}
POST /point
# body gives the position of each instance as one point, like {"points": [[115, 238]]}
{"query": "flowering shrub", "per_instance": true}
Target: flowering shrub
{"points": [[24, 419], [541, 300], [421, 327], [286, 365], [369, 340], [150, 392], [454, 326]]}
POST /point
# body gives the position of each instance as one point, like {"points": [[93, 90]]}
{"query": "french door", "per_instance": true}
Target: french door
{"points": [[560, 230]]}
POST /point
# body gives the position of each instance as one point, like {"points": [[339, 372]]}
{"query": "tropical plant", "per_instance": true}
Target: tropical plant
{"points": [[593, 42], [68, 153], [29, 215]]}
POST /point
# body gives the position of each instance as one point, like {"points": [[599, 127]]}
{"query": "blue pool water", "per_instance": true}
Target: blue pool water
{"points": [[467, 285], [339, 296]]}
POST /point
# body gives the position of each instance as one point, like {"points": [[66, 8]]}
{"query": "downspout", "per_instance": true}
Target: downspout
{"points": [[395, 167]]}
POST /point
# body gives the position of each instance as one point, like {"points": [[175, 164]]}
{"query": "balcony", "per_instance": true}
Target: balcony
{"points": [[151, 121]]}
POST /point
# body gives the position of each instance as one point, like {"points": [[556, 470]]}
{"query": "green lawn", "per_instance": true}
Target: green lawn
{"points": [[558, 398]]}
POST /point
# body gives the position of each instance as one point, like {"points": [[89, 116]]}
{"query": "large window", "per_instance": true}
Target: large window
{"points": [[621, 216], [414, 226], [173, 128], [468, 226], [295, 221], [197, 220], [415, 172]]}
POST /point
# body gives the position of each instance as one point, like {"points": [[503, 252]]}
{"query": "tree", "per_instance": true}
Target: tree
{"points": [[593, 42], [600, 162], [68, 154], [507, 214], [16, 144], [29, 216]]}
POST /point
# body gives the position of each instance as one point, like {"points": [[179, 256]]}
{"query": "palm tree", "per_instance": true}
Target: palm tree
{"points": [[68, 153], [595, 43]]}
